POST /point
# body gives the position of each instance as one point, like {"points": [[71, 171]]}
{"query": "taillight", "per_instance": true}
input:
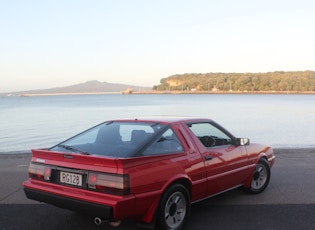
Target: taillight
{"points": [[108, 183], [39, 172]]}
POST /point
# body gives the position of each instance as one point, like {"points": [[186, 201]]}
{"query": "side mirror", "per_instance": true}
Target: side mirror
{"points": [[241, 141]]}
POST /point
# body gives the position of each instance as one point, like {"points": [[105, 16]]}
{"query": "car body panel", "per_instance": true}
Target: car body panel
{"points": [[205, 171]]}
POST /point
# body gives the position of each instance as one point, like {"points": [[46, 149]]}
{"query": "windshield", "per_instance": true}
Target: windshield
{"points": [[114, 139]]}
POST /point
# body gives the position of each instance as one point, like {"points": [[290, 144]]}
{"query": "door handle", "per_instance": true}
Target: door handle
{"points": [[208, 158]]}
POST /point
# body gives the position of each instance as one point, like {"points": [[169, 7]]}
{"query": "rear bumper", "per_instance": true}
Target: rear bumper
{"points": [[105, 206], [102, 211]]}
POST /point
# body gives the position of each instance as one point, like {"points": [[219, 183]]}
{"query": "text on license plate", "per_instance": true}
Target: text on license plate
{"points": [[71, 178]]}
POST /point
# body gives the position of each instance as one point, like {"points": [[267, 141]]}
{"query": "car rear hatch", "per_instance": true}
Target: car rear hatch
{"points": [[87, 172]]}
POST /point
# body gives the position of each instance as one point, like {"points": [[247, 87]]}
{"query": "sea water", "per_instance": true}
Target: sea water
{"points": [[42, 121]]}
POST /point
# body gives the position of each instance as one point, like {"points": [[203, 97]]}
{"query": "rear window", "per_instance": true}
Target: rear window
{"points": [[122, 139]]}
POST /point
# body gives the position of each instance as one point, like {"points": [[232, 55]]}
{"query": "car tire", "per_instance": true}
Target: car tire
{"points": [[174, 208], [261, 177]]}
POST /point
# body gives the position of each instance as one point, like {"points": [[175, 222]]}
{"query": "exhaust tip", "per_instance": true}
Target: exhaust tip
{"points": [[98, 221]]}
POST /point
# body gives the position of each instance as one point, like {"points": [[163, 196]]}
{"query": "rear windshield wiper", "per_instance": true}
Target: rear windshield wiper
{"points": [[71, 148]]}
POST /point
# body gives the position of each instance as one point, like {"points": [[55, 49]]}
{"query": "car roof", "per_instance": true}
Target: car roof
{"points": [[165, 119]]}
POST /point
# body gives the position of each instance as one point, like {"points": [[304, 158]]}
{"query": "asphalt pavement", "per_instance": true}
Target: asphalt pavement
{"points": [[287, 203]]}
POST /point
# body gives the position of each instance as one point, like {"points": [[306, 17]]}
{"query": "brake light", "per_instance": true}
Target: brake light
{"points": [[108, 183], [39, 172]]}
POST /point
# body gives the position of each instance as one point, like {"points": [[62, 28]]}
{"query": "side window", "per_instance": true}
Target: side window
{"points": [[168, 142], [210, 135]]}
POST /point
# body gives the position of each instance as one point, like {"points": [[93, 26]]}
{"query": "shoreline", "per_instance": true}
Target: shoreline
{"points": [[161, 93], [26, 154]]}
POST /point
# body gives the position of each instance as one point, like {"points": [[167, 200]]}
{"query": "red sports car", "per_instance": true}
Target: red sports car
{"points": [[147, 170]]}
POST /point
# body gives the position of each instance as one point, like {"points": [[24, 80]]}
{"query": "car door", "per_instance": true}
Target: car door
{"points": [[226, 164]]}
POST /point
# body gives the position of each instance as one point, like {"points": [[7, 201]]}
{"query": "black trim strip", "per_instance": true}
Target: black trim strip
{"points": [[92, 209]]}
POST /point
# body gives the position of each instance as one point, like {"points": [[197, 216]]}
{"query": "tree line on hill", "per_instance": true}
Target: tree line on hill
{"points": [[271, 81]]}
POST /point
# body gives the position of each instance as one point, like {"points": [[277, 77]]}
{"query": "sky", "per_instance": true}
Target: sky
{"points": [[46, 44]]}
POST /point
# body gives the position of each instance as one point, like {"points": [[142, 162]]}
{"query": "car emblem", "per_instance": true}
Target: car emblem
{"points": [[67, 156]]}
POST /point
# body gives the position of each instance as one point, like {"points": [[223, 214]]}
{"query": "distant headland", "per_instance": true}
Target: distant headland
{"points": [[279, 82]]}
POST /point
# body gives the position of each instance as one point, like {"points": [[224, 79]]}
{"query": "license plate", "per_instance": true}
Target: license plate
{"points": [[71, 178]]}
